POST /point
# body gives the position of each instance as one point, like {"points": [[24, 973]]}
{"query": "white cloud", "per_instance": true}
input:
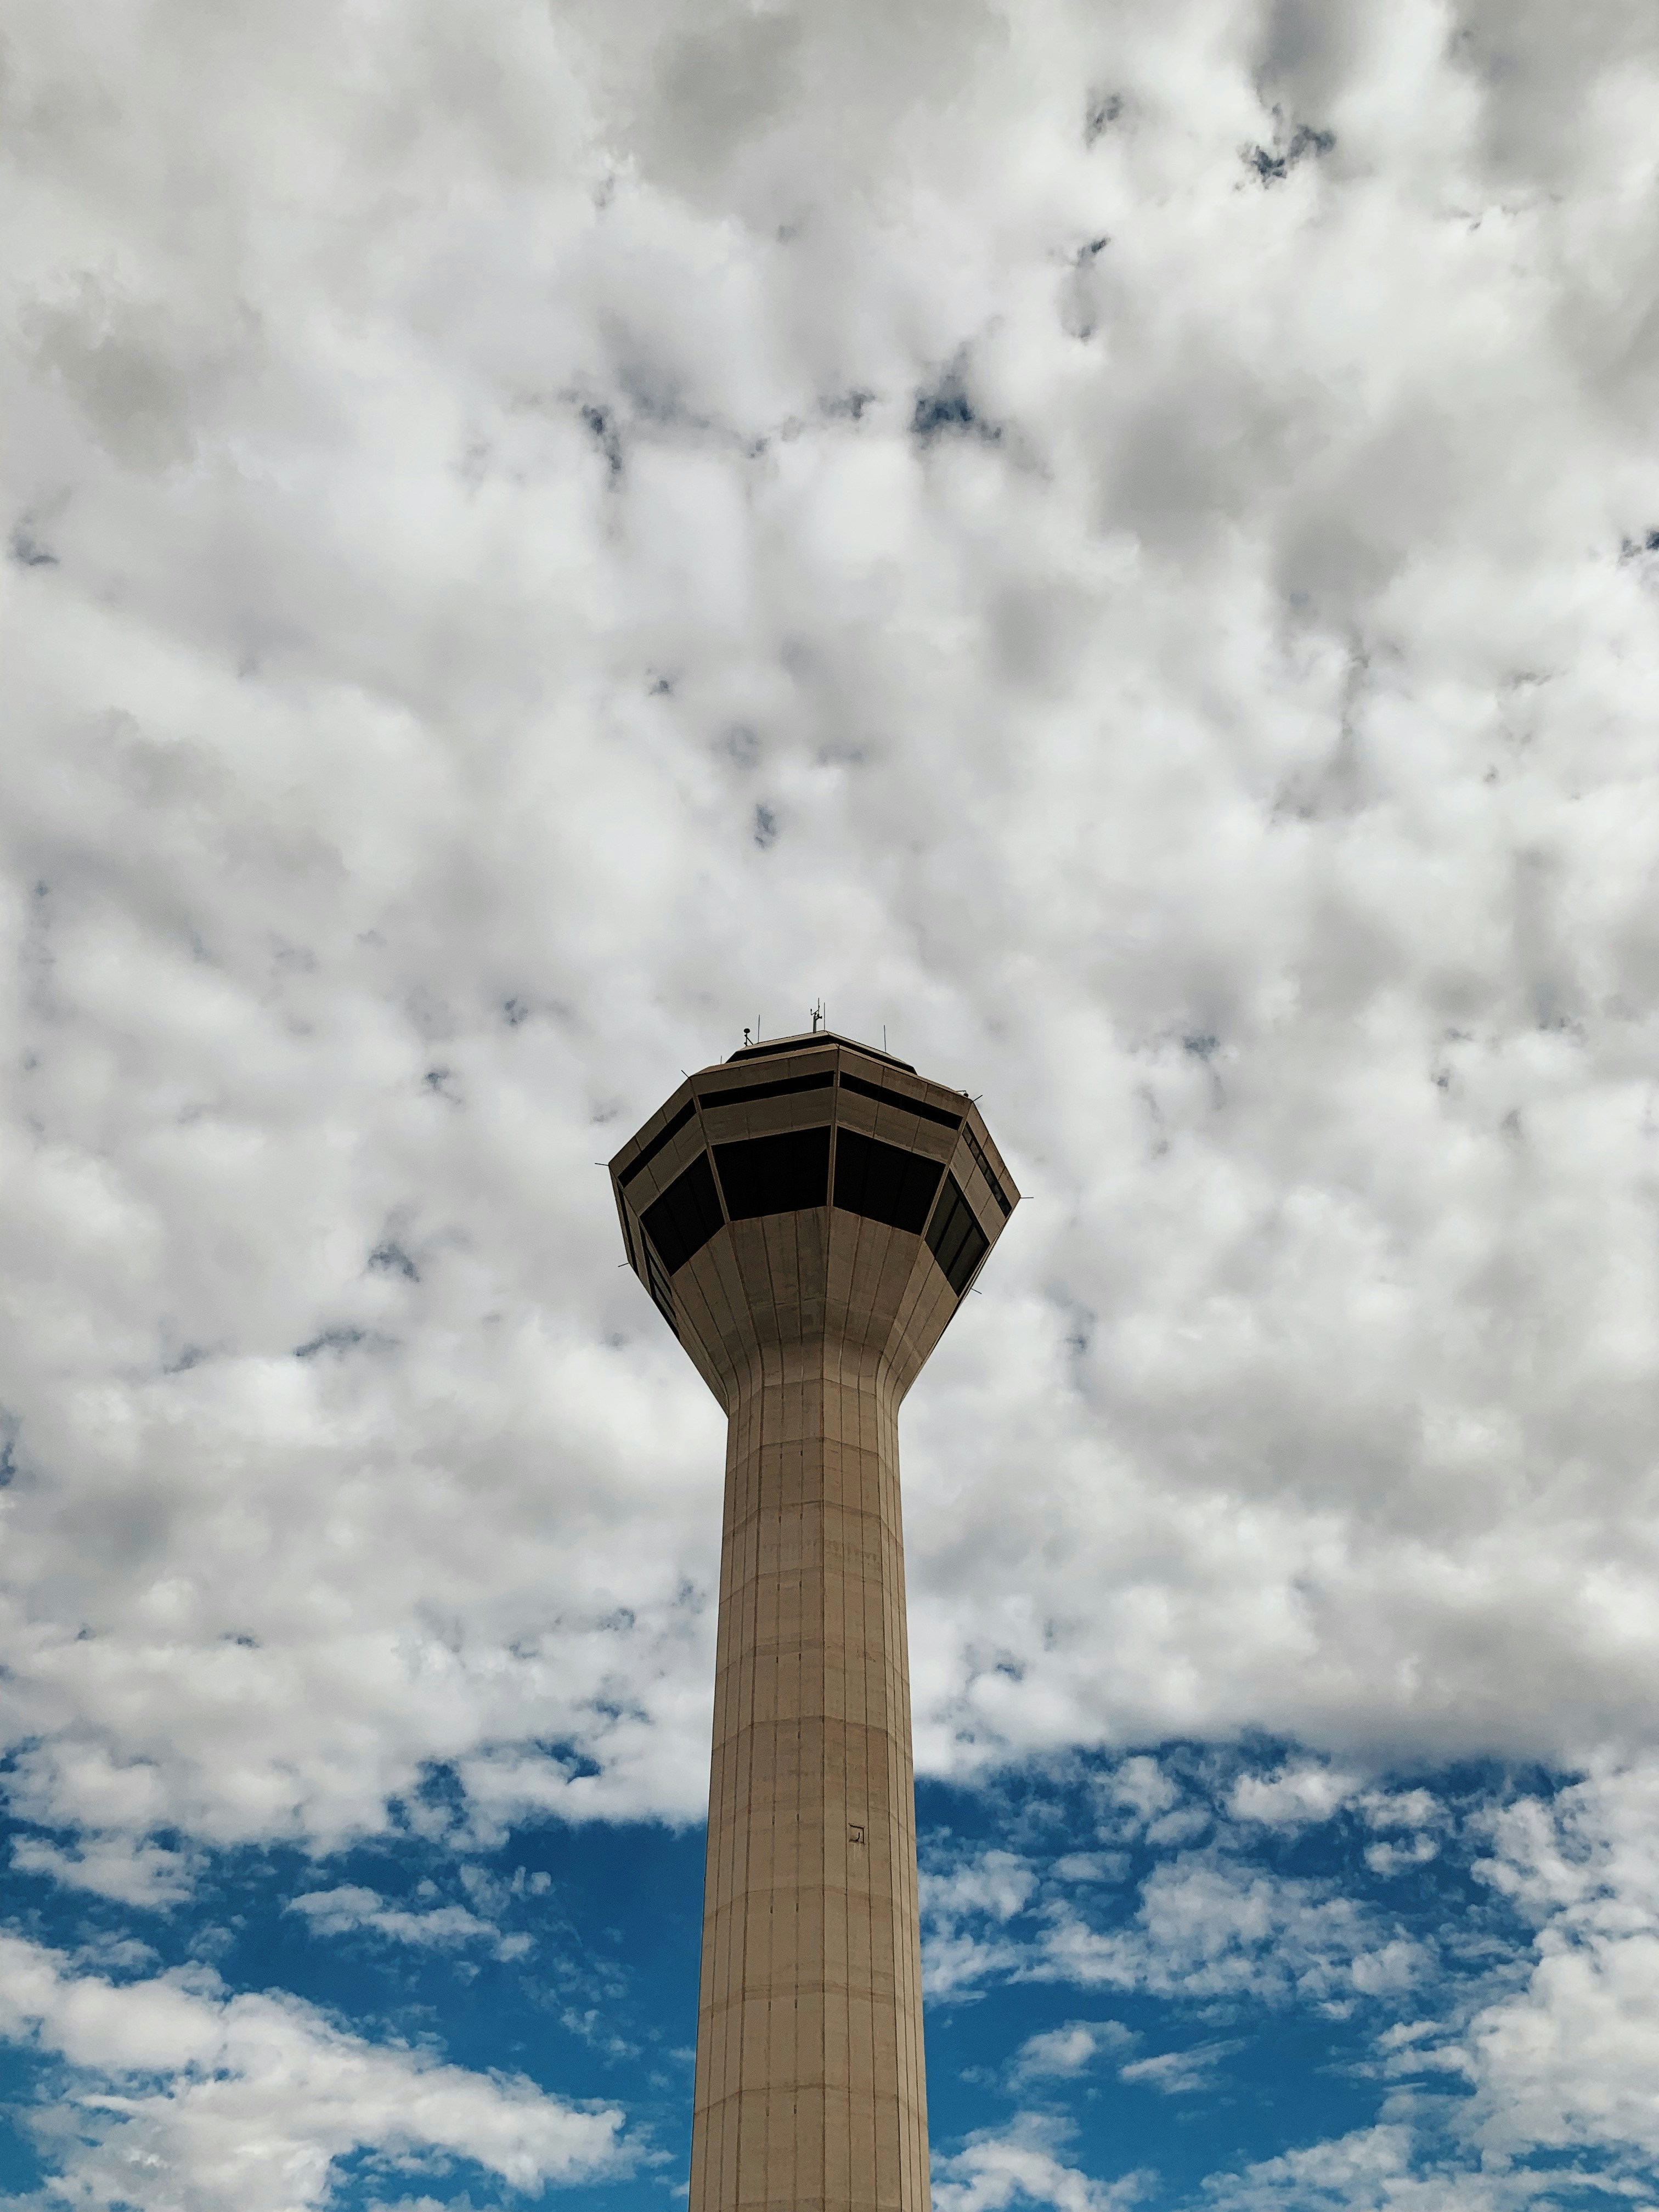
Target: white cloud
{"points": [[1203, 697], [1558, 2067], [1391, 1810], [1205, 1924], [996, 1883], [1179, 2073], [992, 1887], [1400, 1858], [1090, 1866], [1208, 1927], [1021, 2165], [1141, 1785], [1061, 2053], [1571, 2060], [1401, 1809], [188, 2097], [442, 1927], [956, 1965], [1291, 1797], [1372, 2170], [116, 1866]]}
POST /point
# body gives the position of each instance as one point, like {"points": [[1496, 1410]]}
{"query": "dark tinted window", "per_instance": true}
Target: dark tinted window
{"points": [[746, 1092], [898, 1098], [883, 1183], [954, 1238], [990, 1182], [663, 1136], [775, 1175], [682, 1221], [660, 1288]]}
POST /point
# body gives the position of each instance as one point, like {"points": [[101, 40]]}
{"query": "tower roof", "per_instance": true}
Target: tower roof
{"points": [[804, 1039]]}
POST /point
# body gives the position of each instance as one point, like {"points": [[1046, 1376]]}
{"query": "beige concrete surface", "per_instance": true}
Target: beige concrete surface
{"points": [[810, 2086]]}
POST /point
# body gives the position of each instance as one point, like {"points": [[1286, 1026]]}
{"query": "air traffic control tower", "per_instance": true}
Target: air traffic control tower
{"points": [[808, 1215]]}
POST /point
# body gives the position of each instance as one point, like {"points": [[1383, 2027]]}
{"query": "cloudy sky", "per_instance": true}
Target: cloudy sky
{"points": [[1118, 544]]}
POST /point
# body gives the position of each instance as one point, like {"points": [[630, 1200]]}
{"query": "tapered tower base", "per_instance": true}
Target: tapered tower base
{"points": [[809, 2087]]}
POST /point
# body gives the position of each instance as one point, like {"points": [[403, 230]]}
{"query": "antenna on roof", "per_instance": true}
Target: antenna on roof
{"points": [[818, 1017]]}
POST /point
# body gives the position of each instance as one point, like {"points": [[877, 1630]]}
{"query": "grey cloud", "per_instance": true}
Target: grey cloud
{"points": [[112, 358], [1308, 48]]}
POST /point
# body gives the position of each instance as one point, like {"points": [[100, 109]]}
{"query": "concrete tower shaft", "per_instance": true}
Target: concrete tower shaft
{"points": [[807, 1219]]}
